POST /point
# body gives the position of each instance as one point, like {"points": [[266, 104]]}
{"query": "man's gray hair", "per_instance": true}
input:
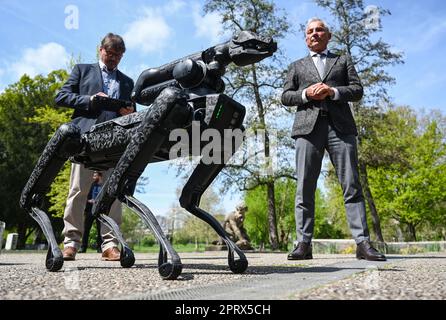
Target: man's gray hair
{"points": [[327, 28]]}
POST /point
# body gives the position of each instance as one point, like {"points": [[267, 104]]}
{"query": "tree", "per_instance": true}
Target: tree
{"points": [[256, 220], [354, 29], [258, 86], [132, 227], [54, 117], [21, 143], [326, 221], [412, 191], [188, 228]]}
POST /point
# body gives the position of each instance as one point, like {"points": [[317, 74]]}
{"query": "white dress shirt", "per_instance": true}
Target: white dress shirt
{"points": [[324, 61]]}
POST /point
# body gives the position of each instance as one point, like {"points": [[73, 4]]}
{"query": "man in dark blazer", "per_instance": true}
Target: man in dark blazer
{"points": [[86, 81], [321, 85], [95, 188]]}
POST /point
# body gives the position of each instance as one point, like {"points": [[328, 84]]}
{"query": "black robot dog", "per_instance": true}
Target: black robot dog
{"points": [[178, 93]]}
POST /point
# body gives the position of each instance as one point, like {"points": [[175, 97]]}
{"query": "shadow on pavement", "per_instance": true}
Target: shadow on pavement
{"points": [[262, 270]]}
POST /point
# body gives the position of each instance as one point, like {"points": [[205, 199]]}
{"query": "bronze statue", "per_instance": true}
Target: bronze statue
{"points": [[233, 225]]}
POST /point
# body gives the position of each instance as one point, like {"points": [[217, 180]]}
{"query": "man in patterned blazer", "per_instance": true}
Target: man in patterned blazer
{"points": [[321, 85]]}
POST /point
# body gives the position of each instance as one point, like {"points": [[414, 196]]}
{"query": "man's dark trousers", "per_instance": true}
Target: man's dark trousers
{"points": [[343, 155], [88, 222]]}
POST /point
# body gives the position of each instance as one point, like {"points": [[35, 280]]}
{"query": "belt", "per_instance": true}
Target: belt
{"points": [[323, 113]]}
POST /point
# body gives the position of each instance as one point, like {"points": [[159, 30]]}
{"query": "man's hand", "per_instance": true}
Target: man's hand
{"points": [[126, 111], [98, 94], [319, 91]]}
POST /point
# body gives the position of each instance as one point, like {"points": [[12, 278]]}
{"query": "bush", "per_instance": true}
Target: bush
{"points": [[148, 241], [412, 250]]}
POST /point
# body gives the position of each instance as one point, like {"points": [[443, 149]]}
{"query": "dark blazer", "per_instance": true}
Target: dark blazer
{"points": [[88, 205], [339, 73], [86, 80]]}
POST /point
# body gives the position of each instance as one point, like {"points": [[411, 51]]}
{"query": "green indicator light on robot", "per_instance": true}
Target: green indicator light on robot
{"points": [[220, 108]]}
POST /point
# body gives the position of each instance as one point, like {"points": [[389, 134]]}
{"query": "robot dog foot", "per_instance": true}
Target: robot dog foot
{"points": [[54, 258], [127, 257], [168, 270], [236, 265]]}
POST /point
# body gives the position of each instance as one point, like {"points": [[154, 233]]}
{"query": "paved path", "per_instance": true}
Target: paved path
{"points": [[206, 276]]}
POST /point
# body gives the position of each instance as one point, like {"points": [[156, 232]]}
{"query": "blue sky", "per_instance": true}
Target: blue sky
{"points": [[39, 36]]}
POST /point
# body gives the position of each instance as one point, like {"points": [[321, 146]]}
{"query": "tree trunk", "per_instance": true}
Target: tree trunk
{"points": [[412, 233], [370, 201], [273, 238], [273, 235]]}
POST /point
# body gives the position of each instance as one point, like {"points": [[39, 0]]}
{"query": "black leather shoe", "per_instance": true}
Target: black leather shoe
{"points": [[364, 250], [82, 250], [303, 251]]}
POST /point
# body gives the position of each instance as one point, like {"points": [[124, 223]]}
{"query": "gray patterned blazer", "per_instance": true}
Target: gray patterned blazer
{"points": [[339, 73]]}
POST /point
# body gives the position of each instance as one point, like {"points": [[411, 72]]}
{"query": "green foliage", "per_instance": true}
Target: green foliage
{"points": [[133, 229], [326, 222], [22, 140], [256, 221], [195, 231], [412, 191], [335, 209], [51, 116], [190, 229], [57, 195], [54, 117]]}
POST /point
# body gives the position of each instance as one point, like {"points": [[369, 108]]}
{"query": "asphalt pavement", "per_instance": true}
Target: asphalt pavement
{"points": [[206, 276]]}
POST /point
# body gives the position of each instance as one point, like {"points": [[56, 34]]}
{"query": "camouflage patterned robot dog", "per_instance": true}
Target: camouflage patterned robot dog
{"points": [[178, 93]]}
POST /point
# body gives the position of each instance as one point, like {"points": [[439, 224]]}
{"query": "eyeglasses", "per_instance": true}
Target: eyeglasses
{"points": [[115, 54]]}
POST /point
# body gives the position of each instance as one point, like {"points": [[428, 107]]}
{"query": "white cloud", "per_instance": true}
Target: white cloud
{"points": [[151, 32], [134, 70], [208, 26], [173, 6], [42, 60]]}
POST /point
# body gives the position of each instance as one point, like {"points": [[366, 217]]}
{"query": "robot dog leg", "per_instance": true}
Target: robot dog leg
{"points": [[64, 143], [226, 116], [169, 111], [201, 178]]}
